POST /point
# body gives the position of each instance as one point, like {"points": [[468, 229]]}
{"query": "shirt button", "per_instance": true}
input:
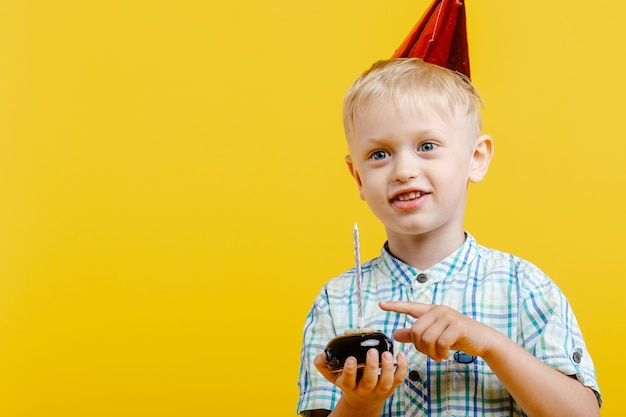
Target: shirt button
{"points": [[422, 278], [414, 376], [576, 357]]}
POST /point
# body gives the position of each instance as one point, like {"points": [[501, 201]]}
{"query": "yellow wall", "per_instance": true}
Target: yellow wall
{"points": [[173, 192]]}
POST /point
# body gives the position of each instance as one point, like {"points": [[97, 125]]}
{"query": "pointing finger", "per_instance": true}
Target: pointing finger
{"points": [[413, 309]]}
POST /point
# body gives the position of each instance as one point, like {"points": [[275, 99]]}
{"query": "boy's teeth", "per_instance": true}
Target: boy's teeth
{"points": [[409, 196]]}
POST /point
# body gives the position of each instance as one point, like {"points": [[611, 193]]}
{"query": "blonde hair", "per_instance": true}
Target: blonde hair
{"points": [[411, 83]]}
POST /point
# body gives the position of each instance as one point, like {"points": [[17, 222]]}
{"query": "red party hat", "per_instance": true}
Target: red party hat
{"points": [[440, 37]]}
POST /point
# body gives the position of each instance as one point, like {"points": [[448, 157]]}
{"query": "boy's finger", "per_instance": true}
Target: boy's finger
{"points": [[320, 361], [320, 364], [387, 373], [401, 369], [407, 307], [403, 336], [369, 379], [348, 375]]}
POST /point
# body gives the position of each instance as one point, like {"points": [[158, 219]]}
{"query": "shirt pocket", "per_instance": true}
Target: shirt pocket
{"points": [[474, 390]]}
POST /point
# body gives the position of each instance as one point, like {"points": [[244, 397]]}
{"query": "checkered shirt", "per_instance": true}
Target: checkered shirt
{"points": [[492, 287]]}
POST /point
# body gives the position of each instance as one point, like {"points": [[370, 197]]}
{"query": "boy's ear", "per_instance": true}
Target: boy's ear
{"points": [[355, 175], [483, 151]]}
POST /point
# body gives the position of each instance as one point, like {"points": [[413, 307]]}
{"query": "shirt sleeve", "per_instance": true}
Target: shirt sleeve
{"points": [[551, 332], [315, 391]]}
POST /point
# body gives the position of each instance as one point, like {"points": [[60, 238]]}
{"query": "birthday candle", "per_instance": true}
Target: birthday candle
{"points": [[357, 261]]}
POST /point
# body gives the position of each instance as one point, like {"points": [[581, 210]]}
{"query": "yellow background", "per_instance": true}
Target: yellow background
{"points": [[173, 193]]}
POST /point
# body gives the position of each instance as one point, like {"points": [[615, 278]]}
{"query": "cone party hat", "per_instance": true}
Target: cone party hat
{"points": [[440, 37]]}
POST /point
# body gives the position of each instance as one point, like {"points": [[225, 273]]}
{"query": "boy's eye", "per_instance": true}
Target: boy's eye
{"points": [[378, 155], [427, 147]]}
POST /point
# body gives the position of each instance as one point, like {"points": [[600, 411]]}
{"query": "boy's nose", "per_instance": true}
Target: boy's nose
{"points": [[405, 169]]}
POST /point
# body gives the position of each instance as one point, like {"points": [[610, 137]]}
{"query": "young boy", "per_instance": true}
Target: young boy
{"points": [[476, 331]]}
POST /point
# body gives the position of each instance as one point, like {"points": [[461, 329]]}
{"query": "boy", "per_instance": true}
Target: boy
{"points": [[476, 331]]}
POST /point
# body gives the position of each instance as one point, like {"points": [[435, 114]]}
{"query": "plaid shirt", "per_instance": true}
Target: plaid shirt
{"points": [[492, 287]]}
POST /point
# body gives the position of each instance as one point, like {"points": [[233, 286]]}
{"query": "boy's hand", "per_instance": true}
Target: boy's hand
{"points": [[372, 389], [440, 328]]}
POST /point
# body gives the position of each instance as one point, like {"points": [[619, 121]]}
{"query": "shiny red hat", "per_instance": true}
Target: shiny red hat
{"points": [[440, 37]]}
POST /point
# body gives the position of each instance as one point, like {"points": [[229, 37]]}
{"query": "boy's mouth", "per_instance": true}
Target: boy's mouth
{"points": [[408, 196]]}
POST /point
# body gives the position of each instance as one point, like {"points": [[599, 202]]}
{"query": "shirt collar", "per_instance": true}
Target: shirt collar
{"points": [[450, 265]]}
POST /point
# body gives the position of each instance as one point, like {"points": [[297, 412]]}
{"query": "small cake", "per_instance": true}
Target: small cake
{"points": [[355, 343]]}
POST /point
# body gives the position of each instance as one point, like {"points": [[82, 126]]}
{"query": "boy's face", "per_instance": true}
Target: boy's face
{"points": [[413, 170]]}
